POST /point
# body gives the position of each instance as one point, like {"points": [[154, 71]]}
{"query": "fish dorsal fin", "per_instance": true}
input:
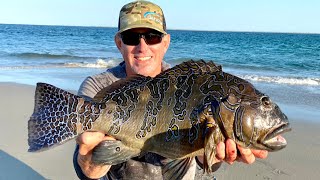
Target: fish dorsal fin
{"points": [[194, 67], [185, 68], [126, 83]]}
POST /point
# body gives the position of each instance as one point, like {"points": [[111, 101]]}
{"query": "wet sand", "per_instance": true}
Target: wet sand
{"points": [[299, 160]]}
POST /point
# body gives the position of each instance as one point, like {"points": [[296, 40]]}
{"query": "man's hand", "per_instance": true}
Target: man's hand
{"points": [[228, 152], [247, 156], [87, 141]]}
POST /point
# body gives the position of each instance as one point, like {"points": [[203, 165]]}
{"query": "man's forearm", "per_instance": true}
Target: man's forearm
{"points": [[92, 170], [85, 169]]}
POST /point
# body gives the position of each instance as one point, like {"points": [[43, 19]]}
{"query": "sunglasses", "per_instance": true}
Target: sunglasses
{"points": [[133, 38]]}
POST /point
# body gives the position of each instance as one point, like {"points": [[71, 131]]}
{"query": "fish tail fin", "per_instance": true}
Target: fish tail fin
{"points": [[56, 118]]}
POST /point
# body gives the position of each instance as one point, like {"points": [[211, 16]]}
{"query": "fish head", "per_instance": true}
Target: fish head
{"points": [[259, 123], [254, 120]]}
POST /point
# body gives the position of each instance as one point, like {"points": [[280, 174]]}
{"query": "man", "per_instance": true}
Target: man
{"points": [[143, 41]]}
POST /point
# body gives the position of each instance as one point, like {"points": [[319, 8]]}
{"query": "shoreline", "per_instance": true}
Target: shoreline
{"points": [[298, 160]]}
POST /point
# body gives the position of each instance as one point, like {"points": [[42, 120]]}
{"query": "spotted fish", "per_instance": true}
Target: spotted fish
{"points": [[181, 113]]}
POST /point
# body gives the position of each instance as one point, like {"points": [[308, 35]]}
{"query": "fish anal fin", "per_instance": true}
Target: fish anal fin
{"points": [[111, 152], [177, 169]]}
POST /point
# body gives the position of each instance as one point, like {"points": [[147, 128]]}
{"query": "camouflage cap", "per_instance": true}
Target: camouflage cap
{"points": [[141, 14]]}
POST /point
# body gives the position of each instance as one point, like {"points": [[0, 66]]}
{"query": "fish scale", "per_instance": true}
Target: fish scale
{"points": [[183, 112]]}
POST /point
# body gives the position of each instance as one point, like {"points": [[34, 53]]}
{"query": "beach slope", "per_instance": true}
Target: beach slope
{"points": [[16, 162]]}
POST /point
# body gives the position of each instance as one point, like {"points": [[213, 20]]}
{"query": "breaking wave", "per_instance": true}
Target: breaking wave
{"points": [[100, 63], [46, 56], [308, 81], [108, 63]]}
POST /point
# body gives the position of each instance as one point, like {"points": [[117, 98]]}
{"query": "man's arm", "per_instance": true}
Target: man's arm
{"points": [[83, 165]]}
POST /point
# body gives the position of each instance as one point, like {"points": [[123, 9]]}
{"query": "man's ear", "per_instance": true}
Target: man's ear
{"points": [[117, 40], [166, 41]]}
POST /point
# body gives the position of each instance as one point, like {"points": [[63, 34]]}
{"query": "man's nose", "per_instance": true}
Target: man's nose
{"points": [[142, 46]]}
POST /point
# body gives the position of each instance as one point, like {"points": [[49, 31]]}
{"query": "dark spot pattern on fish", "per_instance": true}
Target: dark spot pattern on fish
{"points": [[126, 99], [149, 121], [173, 131], [60, 112]]}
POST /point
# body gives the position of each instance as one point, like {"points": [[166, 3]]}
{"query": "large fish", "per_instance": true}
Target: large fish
{"points": [[181, 113]]}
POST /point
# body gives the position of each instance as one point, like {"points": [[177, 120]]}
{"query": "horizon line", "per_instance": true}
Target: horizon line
{"points": [[174, 29]]}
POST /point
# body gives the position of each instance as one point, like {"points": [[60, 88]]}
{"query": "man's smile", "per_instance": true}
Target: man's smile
{"points": [[145, 58]]}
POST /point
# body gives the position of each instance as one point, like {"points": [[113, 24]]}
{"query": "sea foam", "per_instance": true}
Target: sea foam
{"points": [[99, 63], [284, 80]]}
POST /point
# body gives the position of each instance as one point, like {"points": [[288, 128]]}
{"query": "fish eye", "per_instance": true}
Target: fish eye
{"points": [[265, 100]]}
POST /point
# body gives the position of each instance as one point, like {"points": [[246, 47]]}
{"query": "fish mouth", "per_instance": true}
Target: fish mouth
{"points": [[274, 141]]}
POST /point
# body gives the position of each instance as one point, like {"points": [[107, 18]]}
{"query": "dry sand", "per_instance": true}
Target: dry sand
{"points": [[300, 160]]}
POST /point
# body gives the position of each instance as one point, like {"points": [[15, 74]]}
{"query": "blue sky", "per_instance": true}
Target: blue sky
{"points": [[301, 16]]}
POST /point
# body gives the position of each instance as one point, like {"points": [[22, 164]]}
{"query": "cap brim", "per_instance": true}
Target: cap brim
{"points": [[142, 26]]}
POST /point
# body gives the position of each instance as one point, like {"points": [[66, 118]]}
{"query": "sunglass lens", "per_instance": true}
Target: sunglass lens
{"points": [[152, 39], [131, 39]]}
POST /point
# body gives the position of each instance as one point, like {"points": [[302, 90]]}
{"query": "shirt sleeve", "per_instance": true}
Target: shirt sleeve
{"points": [[93, 84]]}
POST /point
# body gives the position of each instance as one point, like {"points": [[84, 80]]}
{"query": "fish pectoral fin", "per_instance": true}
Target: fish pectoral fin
{"points": [[111, 152], [176, 169], [212, 137]]}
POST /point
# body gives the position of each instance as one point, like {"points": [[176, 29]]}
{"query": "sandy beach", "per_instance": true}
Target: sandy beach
{"points": [[299, 160]]}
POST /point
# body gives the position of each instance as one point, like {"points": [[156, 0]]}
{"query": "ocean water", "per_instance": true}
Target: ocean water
{"points": [[284, 66]]}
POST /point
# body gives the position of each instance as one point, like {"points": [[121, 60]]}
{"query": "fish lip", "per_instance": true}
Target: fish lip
{"points": [[285, 127]]}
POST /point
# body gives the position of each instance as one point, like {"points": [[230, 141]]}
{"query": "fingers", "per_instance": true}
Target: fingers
{"points": [[221, 153], [88, 140], [246, 155], [231, 151], [228, 152], [262, 154]]}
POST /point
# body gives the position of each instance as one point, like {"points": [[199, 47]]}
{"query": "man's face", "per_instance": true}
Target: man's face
{"points": [[143, 59]]}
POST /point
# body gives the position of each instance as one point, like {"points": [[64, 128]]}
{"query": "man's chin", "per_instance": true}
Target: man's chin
{"points": [[146, 72]]}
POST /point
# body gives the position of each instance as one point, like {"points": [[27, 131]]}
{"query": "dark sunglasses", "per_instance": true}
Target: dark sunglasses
{"points": [[133, 38]]}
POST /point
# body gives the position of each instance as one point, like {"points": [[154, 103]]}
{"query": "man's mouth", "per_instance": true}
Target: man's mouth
{"points": [[143, 58]]}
